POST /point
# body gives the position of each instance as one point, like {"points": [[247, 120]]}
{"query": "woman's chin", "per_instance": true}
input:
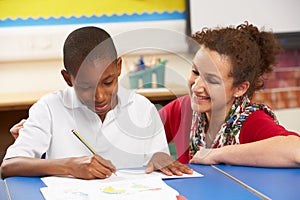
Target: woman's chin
{"points": [[200, 108]]}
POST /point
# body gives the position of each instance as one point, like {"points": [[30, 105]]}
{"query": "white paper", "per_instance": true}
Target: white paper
{"points": [[128, 184], [146, 187]]}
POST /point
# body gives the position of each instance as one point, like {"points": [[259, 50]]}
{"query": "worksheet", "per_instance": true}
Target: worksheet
{"points": [[64, 188], [127, 184]]}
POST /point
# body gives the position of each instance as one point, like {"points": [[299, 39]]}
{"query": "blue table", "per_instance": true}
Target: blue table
{"points": [[24, 188], [275, 183], [3, 194], [214, 185]]}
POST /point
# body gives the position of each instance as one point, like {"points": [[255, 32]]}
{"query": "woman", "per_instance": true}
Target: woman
{"points": [[217, 122]]}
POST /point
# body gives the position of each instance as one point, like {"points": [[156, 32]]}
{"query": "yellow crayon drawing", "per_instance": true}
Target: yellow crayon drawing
{"points": [[111, 190]]}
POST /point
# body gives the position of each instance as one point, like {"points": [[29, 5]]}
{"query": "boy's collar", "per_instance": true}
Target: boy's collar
{"points": [[125, 96], [70, 99]]}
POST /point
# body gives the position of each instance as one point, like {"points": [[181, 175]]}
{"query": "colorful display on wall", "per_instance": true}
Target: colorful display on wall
{"points": [[58, 12]]}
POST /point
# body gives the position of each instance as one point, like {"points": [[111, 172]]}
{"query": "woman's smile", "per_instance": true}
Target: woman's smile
{"points": [[200, 99]]}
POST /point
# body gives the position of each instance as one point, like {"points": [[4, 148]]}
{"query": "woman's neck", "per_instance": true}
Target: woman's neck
{"points": [[214, 122]]}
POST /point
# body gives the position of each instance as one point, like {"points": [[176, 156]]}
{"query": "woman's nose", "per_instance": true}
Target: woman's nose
{"points": [[198, 85]]}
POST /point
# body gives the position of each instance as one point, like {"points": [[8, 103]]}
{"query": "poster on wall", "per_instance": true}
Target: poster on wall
{"points": [[32, 29], [57, 12]]}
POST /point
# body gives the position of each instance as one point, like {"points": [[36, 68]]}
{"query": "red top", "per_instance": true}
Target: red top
{"points": [[177, 119]]}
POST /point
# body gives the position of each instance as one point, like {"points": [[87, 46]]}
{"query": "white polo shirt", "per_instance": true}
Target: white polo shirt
{"points": [[128, 136]]}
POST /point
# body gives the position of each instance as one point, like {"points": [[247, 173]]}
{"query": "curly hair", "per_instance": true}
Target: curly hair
{"points": [[252, 52]]}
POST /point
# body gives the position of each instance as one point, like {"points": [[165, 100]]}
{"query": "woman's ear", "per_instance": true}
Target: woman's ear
{"points": [[242, 89], [67, 77]]}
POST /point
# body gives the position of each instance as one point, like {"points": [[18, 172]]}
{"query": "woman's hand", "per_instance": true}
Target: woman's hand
{"points": [[166, 164], [15, 129], [205, 156]]}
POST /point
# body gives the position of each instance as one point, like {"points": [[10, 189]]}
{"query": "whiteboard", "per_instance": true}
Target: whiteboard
{"points": [[279, 16]]}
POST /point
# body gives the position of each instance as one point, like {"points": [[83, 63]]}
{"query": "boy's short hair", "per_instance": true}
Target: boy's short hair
{"points": [[87, 44]]}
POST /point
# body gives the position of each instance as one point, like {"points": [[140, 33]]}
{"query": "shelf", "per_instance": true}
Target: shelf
{"points": [[24, 100]]}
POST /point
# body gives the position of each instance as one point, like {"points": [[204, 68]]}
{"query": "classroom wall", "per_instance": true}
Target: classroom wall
{"points": [[45, 42]]}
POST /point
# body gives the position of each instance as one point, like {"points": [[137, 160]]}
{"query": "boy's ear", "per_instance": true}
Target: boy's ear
{"points": [[119, 65], [67, 77]]}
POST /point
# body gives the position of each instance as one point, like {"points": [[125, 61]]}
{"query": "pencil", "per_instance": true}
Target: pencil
{"points": [[86, 144]]}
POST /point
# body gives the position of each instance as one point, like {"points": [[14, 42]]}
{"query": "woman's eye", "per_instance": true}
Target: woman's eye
{"points": [[212, 81]]}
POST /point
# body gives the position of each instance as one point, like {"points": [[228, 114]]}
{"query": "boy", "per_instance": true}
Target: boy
{"points": [[121, 126]]}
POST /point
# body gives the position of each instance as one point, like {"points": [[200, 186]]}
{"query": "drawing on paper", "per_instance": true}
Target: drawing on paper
{"points": [[111, 190], [133, 188], [73, 193]]}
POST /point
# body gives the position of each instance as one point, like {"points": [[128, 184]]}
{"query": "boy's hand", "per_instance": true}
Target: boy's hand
{"points": [[15, 129], [166, 164], [91, 167]]}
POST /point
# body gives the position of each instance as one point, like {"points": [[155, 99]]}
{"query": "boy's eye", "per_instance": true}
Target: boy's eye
{"points": [[108, 83], [84, 87]]}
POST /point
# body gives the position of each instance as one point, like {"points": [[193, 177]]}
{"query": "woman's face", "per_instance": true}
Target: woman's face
{"points": [[211, 87]]}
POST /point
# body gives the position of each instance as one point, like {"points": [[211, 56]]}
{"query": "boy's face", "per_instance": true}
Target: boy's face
{"points": [[96, 85]]}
